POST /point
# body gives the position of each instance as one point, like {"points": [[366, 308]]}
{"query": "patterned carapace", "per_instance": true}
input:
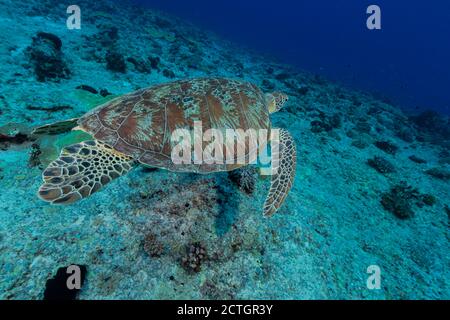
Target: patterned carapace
{"points": [[140, 124]]}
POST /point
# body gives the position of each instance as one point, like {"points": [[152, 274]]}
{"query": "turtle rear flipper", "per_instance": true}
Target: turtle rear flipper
{"points": [[283, 173], [57, 127], [81, 170]]}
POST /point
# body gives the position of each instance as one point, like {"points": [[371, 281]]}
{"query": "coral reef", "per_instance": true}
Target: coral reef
{"points": [[400, 200], [381, 165], [326, 122], [14, 134], [195, 255], [405, 133], [47, 58], [35, 153], [386, 146], [432, 122], [115, 62], [361, 141], [7, 140], [140, 65], [152, 246], [244, 178], [439, 173], [429, 199]]}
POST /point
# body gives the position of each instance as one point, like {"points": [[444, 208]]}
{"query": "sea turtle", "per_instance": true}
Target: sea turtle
{"points": [[135, 128]]}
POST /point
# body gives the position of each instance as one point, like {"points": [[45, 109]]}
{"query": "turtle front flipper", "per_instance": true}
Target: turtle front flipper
{"points": [[81, 170], [283, 172], [57, 127]]}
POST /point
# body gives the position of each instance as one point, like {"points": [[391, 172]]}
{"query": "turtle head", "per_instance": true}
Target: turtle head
{"points": [[276, 100]]}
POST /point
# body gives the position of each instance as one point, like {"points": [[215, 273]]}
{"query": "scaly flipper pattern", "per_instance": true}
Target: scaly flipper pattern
{"points": [[81, 170], [283, 173]]}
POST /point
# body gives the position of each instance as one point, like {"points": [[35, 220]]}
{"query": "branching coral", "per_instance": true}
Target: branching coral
{"points": [[196, 254], [399, 200], [244, 178]]}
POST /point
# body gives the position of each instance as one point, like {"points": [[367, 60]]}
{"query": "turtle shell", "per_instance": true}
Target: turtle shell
{"points": [[140, 124]]}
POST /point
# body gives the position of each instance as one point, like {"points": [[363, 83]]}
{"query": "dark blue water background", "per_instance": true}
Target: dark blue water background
{"points": [[406, 62]]}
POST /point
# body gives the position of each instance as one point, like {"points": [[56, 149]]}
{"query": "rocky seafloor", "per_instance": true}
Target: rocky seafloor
{"points": [[372, 183]]}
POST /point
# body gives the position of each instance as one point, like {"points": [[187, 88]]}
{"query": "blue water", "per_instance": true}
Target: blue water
{"points": [[405, 62]]}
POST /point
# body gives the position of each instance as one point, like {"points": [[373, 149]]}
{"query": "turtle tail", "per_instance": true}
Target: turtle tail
{"points": [[57, 127]]}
